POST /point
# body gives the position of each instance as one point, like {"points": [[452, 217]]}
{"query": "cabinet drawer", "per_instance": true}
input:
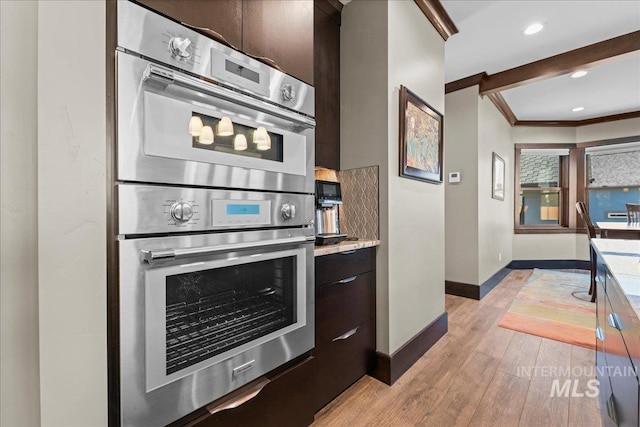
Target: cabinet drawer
{"points": [[342, 362], [624, 384], [287, 400], [343, 305], [628, 320], [334, 267]]}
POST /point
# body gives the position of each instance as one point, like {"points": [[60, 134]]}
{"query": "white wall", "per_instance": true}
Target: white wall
{"points": [[19, 370], [478, 227], [72, 213], [384, 45], [461, 155], [364, 127], [495, 217], [416, 209], [543, 135], [617, 129]]}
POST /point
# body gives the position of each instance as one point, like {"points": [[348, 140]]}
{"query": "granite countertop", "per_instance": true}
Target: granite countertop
{"points": [[622, 257], [344, 246]]}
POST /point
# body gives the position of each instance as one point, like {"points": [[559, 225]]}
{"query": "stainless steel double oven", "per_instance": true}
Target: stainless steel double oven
{"points": [[215, 218]]}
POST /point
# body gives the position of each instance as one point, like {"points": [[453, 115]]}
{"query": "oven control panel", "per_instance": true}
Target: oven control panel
{"points": [[147, 209]]}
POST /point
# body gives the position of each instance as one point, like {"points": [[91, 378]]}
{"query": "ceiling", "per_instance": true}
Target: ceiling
{"points": [[491, 39]]}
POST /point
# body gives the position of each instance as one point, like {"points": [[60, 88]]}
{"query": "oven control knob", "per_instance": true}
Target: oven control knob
{"points": [[181, 211], [287, 92], [179, 46], [288, 211]]}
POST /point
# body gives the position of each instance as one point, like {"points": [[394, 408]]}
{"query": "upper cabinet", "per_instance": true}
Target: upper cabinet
{"points": [[327, 84], [221, 16], [280, 31]]}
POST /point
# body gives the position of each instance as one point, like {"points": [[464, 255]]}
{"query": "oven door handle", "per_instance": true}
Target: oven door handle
{"points": [[153, 256], [168, 77]]}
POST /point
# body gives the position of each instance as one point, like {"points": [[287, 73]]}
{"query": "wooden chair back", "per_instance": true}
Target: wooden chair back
{"points": [[582, 211], [633, 213]]}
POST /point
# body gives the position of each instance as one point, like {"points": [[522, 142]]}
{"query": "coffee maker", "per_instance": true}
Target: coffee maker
{"points": [[328, 201]]}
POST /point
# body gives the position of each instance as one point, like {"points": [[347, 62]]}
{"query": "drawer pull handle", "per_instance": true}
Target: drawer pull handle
{"points": [[251, 393], [348, 279], [611, 409], [614, 321], [347, 334], [600, 334], [348, 252]]}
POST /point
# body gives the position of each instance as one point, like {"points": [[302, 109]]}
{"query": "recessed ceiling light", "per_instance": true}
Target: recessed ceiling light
{"points": [[575, 110], [578, 74], [533, 28]]}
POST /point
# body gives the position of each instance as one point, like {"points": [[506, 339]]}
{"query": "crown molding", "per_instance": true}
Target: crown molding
{"points": [[503, 107], [577, 123], [438, 16]]}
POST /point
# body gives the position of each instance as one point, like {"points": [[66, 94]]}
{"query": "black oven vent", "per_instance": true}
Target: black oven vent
{"points": [[199, 330]]}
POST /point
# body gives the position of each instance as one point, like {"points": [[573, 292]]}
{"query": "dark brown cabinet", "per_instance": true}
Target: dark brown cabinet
{"points": [[277, 30], [285, 400], [617, 356], [326, 60], [345, 321], [221, 16], [282, 31]]}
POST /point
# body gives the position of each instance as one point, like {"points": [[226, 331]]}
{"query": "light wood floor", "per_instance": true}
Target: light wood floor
{"points": [[474, 376]]}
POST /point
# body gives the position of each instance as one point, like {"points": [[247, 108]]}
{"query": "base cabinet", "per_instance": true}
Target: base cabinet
{"points": [[345, 321], [616, 355], [343, 361]]}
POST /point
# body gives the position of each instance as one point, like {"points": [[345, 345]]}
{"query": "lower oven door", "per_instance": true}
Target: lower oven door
{"points": [[203, 315]]}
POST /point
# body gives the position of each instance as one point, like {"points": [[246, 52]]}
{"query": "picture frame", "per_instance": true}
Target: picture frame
{"points": [[421, 139], [497, 177]]}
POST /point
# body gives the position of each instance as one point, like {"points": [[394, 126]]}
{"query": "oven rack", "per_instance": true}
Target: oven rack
{"points": [[211, 326]]}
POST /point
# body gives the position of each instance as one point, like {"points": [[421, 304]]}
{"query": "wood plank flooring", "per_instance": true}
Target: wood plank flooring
{"points": [[477, 375]]}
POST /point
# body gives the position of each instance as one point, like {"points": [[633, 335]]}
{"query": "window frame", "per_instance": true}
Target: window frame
{"points": [[566, 219], [573, 182]]}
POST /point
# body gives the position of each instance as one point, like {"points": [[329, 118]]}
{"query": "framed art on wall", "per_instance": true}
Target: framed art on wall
{"points": [[497, 181], [421, 128]]}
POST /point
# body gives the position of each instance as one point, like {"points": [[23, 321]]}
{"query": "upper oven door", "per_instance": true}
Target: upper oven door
{"points": [[177, 129]]}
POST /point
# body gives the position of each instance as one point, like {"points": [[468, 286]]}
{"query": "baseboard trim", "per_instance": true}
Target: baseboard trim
{"points": [[474, 291], [493, 281], [550, 264], [389, 369], [462, 289]]}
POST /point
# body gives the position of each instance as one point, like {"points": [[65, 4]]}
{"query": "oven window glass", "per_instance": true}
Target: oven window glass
{"points": [[211, 133], [213, 311]]}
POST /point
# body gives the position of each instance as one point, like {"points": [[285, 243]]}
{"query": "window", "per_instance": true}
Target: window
{"points": [[542, 188], [613, 179], [551, 178]]}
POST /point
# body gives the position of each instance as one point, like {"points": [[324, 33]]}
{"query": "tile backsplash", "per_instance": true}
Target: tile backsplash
{"points": [[359, 210]]}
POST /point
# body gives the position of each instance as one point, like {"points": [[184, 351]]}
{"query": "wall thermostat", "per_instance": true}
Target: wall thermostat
{"points": [[454, 177]]}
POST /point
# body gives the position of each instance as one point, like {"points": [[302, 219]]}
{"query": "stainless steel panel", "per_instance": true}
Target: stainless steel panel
{"points": [[134, 164], [149, 34], [146, 209], [184, 395]]}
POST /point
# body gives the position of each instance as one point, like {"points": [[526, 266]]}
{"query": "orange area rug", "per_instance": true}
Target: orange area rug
{"points": [[545, 307]]}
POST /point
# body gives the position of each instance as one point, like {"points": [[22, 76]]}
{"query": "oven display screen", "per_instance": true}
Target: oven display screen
{"points": [[243, 209], [241, 71]]}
